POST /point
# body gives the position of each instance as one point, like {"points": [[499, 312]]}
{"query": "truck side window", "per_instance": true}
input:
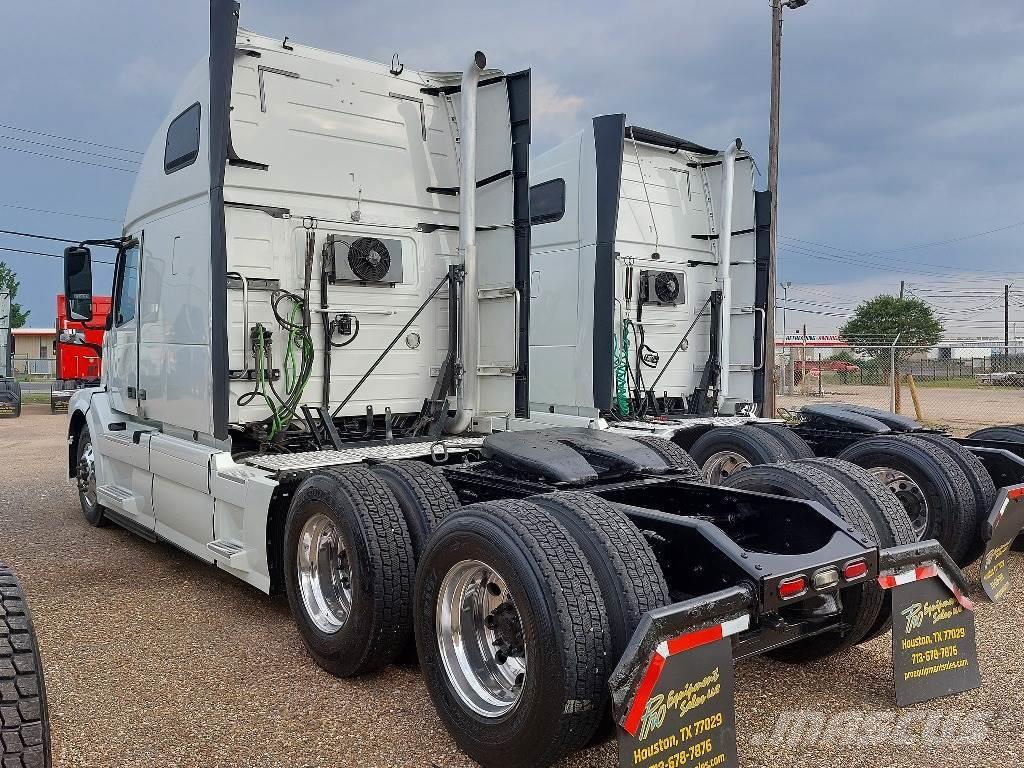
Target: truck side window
{"points": [[547, 201], [182, 147], [127, 287]]}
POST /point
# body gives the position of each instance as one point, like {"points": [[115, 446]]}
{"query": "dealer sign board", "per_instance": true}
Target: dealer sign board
{"points": [[934, 651], [685, 718]]}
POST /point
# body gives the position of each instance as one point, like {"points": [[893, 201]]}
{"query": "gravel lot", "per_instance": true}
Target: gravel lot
{"points": [[155, 659], [961, 411]]}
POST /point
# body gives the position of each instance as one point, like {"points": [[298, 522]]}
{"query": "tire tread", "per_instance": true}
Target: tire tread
{"points": [[24, 727]]}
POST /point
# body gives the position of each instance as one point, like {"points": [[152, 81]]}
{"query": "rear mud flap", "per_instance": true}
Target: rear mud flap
{"points": [[934, 648], [1004, 525], [59, 401], [673, 698]]}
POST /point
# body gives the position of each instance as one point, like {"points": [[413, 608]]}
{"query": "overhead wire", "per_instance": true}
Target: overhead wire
{"points": [[67, 159], [58, 213], [69, 138]]}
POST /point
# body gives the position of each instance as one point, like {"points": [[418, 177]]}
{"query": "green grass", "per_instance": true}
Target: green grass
{"points": [[950, 384]]}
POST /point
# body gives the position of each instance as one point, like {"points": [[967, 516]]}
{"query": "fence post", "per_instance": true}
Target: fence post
{"points": [[894, 382]]}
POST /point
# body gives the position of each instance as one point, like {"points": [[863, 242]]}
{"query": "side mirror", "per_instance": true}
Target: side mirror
{"points": [[78, 283], [72, 337]]}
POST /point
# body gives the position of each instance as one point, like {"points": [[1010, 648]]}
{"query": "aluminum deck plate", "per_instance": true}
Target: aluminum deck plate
{"points": [[287, 462], [676, 425]]}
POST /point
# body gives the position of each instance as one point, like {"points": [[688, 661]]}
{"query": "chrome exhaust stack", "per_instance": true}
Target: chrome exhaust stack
{"points": [[724, 263], [466, 387]]}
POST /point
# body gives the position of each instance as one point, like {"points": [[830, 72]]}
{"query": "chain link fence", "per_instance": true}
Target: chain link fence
{"points": [[956, 388], [42, 368]]}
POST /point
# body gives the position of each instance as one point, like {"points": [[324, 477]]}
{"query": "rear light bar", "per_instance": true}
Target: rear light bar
{"points": [[822, 580]]}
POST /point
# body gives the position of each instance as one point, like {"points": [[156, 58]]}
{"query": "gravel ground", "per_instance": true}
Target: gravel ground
{"points": [[961, 411], [153, 658]]}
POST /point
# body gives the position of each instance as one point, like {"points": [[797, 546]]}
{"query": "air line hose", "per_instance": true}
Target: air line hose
{"points": [[621, 358]]}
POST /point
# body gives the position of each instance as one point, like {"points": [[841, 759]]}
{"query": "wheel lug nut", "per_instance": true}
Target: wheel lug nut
{"points": [[489, 621]]}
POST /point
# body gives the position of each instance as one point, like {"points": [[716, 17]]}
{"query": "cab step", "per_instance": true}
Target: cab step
{"points": [[231, 553], [118, 497]]}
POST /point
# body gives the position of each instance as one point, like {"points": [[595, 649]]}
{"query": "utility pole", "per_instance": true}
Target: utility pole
{"points": [[1006, 328], [785, 302], [773, 187], [903, 286]]}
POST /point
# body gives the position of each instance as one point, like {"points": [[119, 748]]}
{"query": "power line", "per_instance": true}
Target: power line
{"points": [[88, 152], [51, 255], [68, 138], [59, 213], [68, 159], [38, 237], [918, 246], [885, 266]]}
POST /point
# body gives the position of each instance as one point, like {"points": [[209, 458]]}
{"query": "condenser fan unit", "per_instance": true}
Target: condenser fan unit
{"points": [[663, 288], [369, 259], [666, 287], [364, 260]]}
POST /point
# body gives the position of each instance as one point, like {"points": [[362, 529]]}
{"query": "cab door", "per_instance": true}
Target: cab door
{"points": [[125, 483], [123, 337]]}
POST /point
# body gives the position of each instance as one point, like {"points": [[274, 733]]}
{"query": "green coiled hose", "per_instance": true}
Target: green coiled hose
{"points": [[620, 356]]}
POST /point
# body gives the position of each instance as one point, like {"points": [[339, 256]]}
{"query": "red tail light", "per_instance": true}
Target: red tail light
{"points": [[855, 570], [1015, 493], [792, 587]]}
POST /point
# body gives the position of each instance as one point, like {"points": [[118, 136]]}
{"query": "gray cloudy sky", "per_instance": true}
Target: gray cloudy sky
{"points": [[900, 120]]}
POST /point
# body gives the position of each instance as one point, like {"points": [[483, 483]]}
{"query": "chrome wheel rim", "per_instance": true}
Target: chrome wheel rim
{"points": [[324, 574], [910, 495], [722, 465], [86, 475], [480, 636]]}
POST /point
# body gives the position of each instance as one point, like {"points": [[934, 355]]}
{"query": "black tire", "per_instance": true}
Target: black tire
{"points": [[791, 441], [951, 516], [425, 498], [892, 524], [24, 719], [376, 539], [92, 511], [861, 605], [755, 446], [564, 630], [981, 484], [627, 571], [1013, 433], [423, 494], [670, 452]]}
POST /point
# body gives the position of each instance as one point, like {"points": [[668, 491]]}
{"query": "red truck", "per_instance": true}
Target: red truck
{"points": [[77, 349]]}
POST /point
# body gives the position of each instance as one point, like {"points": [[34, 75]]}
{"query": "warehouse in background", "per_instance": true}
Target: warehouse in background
{"points": [[33, 352]]}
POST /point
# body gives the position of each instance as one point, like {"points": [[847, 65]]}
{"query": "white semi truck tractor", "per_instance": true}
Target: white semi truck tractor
{"points": [[649, 271], [316, 378]]}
